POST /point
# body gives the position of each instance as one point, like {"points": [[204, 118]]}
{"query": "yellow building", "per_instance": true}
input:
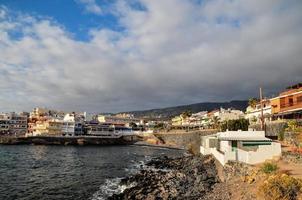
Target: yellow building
{"points": [[289, 103], [177, 121], [50, 127]]}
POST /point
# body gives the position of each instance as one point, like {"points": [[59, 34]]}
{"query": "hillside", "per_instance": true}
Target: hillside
{"points": [[169, 112]]}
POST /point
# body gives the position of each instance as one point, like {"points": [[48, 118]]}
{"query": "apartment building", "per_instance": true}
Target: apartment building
{"points": [[18, 124], [253, 113], [288, 105], [4, 124]]}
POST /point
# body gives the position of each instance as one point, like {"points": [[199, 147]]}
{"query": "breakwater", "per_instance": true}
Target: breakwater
{"points": [[76, 140]]}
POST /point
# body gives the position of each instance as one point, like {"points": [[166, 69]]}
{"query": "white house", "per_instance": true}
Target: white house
{"points": [[228, 114], [253, 114], [249, 147]]}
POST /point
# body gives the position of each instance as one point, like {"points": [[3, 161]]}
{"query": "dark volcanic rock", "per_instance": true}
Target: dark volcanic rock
{"points": [[190, 177]]}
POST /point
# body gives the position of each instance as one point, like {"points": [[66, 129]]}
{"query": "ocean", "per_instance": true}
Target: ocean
{"points": [[30, 172]]}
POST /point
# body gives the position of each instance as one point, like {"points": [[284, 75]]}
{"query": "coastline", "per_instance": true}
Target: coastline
{"points": [[75, 140], [185, 177]]}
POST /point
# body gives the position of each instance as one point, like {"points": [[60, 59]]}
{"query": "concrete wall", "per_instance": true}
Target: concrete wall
{"points": [[272, 128], [188, 140], [264, 153]]}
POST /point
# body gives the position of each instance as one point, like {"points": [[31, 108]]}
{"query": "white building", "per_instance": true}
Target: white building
{"points": [[73, 124], [69, 124], [228, 114], [118, 120], [251, 147], [253, 114]]}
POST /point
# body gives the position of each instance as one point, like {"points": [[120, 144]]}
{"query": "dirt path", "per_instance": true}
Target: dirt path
{"points": [[294, 169]]}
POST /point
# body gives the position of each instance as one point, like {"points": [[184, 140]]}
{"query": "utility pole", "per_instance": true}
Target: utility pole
{"points": [[261, 104]]}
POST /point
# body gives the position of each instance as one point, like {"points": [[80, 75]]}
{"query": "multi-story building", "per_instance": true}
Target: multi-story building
{"points": [[253, 113], [13, 124], [4, 124], [18, 124], [49, 127], [288, 104], [68, 127], [73, 124], [118, 120]]}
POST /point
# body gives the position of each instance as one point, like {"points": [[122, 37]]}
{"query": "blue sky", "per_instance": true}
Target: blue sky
{"points": [[69, 13], [110, 56]]}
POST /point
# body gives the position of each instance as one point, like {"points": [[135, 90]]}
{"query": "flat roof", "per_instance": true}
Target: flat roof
{"points": [[244, 139]]}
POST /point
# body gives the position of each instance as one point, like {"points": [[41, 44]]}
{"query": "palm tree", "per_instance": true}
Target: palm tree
{"points": [[215, 120], [253, 102]]}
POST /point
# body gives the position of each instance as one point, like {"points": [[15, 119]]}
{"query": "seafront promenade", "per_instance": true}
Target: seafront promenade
{"points": [[71, 140]]}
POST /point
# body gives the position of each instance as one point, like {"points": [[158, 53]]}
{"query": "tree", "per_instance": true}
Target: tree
{"points": [[186, 114], [253, 102], [132, 125], [215, 120]]}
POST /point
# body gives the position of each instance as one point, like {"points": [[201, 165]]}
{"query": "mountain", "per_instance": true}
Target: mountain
{"points": [[167, 113]]}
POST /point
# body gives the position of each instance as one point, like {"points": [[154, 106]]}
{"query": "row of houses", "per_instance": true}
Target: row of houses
{"points": [[42, 121], [206, 119], [287, 105]]}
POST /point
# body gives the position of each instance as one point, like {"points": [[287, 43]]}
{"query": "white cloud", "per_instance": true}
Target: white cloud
{"points": [[91, 6], [171, 52]]}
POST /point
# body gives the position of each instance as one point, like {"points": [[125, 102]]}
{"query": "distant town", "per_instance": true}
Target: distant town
{"points": [[46, 122]]}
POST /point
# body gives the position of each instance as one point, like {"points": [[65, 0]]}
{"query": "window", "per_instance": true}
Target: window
{"points": [[282, 102], [299, 99], [290, 101]]}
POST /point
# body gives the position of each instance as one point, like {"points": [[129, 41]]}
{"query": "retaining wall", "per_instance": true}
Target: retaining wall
{"points": [[188, 140]]}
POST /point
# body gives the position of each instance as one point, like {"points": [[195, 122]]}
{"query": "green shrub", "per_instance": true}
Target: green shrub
{"points": [[235, 125], [280, 187], [269, 168], [281, 135]]}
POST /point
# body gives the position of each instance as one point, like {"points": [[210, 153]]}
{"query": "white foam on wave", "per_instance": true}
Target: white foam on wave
{"points": [[110, 187]]}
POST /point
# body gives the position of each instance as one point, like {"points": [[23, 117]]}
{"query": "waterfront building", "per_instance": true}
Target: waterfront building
{"points": [[288, 105], [251, 147], [253, 113], [4, 124], [13, 124], [118, 120], [48, 127], [95, 128], [73, 124], [68, 127], [18, 124]]}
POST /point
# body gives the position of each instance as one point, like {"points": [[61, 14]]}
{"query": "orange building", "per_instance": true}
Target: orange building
{"points": [[288, 104]]}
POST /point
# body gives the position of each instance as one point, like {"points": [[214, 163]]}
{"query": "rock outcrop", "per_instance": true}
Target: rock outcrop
{"points": [[189, 177]]}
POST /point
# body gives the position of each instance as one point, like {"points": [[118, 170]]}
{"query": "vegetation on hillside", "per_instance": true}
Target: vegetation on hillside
{"points": [[235, 125], [168, 113], [269, 168], [279, 187]]}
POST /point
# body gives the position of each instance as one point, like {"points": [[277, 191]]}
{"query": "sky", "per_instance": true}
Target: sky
{"points": [[122, 55]]}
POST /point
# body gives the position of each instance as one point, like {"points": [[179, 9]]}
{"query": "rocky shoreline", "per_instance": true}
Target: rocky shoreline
{"points": [[188, 177]]}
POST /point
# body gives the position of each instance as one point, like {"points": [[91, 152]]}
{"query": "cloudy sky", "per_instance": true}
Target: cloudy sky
{"points": [[118, 55]]}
